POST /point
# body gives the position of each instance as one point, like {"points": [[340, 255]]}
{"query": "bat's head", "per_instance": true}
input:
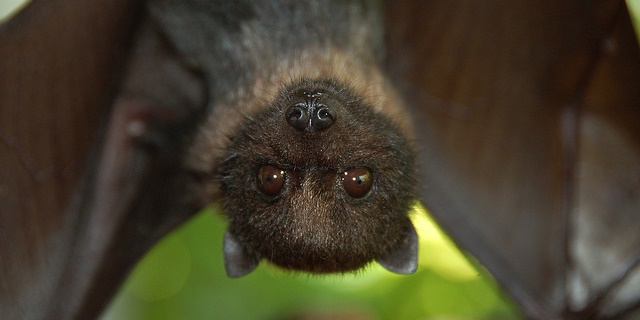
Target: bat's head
{"points": [[318, 181]]}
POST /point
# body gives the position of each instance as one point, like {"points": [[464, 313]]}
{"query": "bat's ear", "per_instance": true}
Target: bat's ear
{"points": [[238, 261], [403, 256]]}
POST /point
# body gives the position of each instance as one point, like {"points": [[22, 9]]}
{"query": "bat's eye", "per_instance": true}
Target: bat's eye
{"points": [[357, 182], [270, 179]]}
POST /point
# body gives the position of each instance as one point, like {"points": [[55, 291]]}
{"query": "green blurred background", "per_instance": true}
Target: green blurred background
{"points": [[183, 277]]}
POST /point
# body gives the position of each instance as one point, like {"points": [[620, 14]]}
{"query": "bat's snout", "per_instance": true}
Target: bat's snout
{"points": [[311, 114]]}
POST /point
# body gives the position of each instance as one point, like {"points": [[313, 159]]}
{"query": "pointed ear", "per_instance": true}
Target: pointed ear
{"points": [[403, 256], [237, 259]]}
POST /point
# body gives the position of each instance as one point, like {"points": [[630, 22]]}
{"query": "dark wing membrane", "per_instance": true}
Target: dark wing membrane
{"points": [[58, 62], [529, 133]]}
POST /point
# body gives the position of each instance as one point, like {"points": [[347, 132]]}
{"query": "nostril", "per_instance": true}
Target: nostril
{"points": [[324, 117], [295, 113], [298, 116], [324, 113]]}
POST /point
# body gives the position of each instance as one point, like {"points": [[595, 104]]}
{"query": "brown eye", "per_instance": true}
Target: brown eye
{"points": [[357, 182], [270, 179]]}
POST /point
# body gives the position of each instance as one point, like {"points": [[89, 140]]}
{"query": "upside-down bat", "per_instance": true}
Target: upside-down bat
{"points": [[119, 119], [303, 141]]}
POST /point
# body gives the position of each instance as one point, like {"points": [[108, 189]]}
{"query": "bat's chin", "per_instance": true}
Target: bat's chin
{"points": [[321, 248], [291, 252], [321, 252]]}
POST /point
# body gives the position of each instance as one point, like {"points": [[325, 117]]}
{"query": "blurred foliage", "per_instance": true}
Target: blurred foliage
{"points": [[10, 7], [634, 11], [183, 278]]}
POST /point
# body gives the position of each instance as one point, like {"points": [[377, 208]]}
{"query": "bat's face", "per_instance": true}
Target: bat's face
{"points": [[317, 181]]}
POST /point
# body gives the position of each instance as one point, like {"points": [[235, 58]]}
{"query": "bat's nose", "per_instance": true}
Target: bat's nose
{"points": [[310, 116]]}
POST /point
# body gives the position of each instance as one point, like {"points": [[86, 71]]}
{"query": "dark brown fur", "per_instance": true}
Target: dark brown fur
{"points": [[254, 60], [313, 225]]}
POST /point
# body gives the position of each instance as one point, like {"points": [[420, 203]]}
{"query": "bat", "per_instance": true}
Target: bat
{"points": [[511, 110], [303, 144]]}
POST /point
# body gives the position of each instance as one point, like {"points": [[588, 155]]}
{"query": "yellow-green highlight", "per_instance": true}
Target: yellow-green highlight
{"points": [[8, 8], [634, 12]]}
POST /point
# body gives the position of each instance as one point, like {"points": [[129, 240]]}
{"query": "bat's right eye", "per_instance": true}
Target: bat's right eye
{"points": [[357, 182], [270, 179]]}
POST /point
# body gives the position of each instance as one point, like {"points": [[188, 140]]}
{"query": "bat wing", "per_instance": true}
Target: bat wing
{"points": [[529, 134], [85, 189], [57, 63]]}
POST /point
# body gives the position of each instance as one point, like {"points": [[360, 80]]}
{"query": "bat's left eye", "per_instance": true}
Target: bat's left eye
{"points": [[357, 182], [270, 179]]}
